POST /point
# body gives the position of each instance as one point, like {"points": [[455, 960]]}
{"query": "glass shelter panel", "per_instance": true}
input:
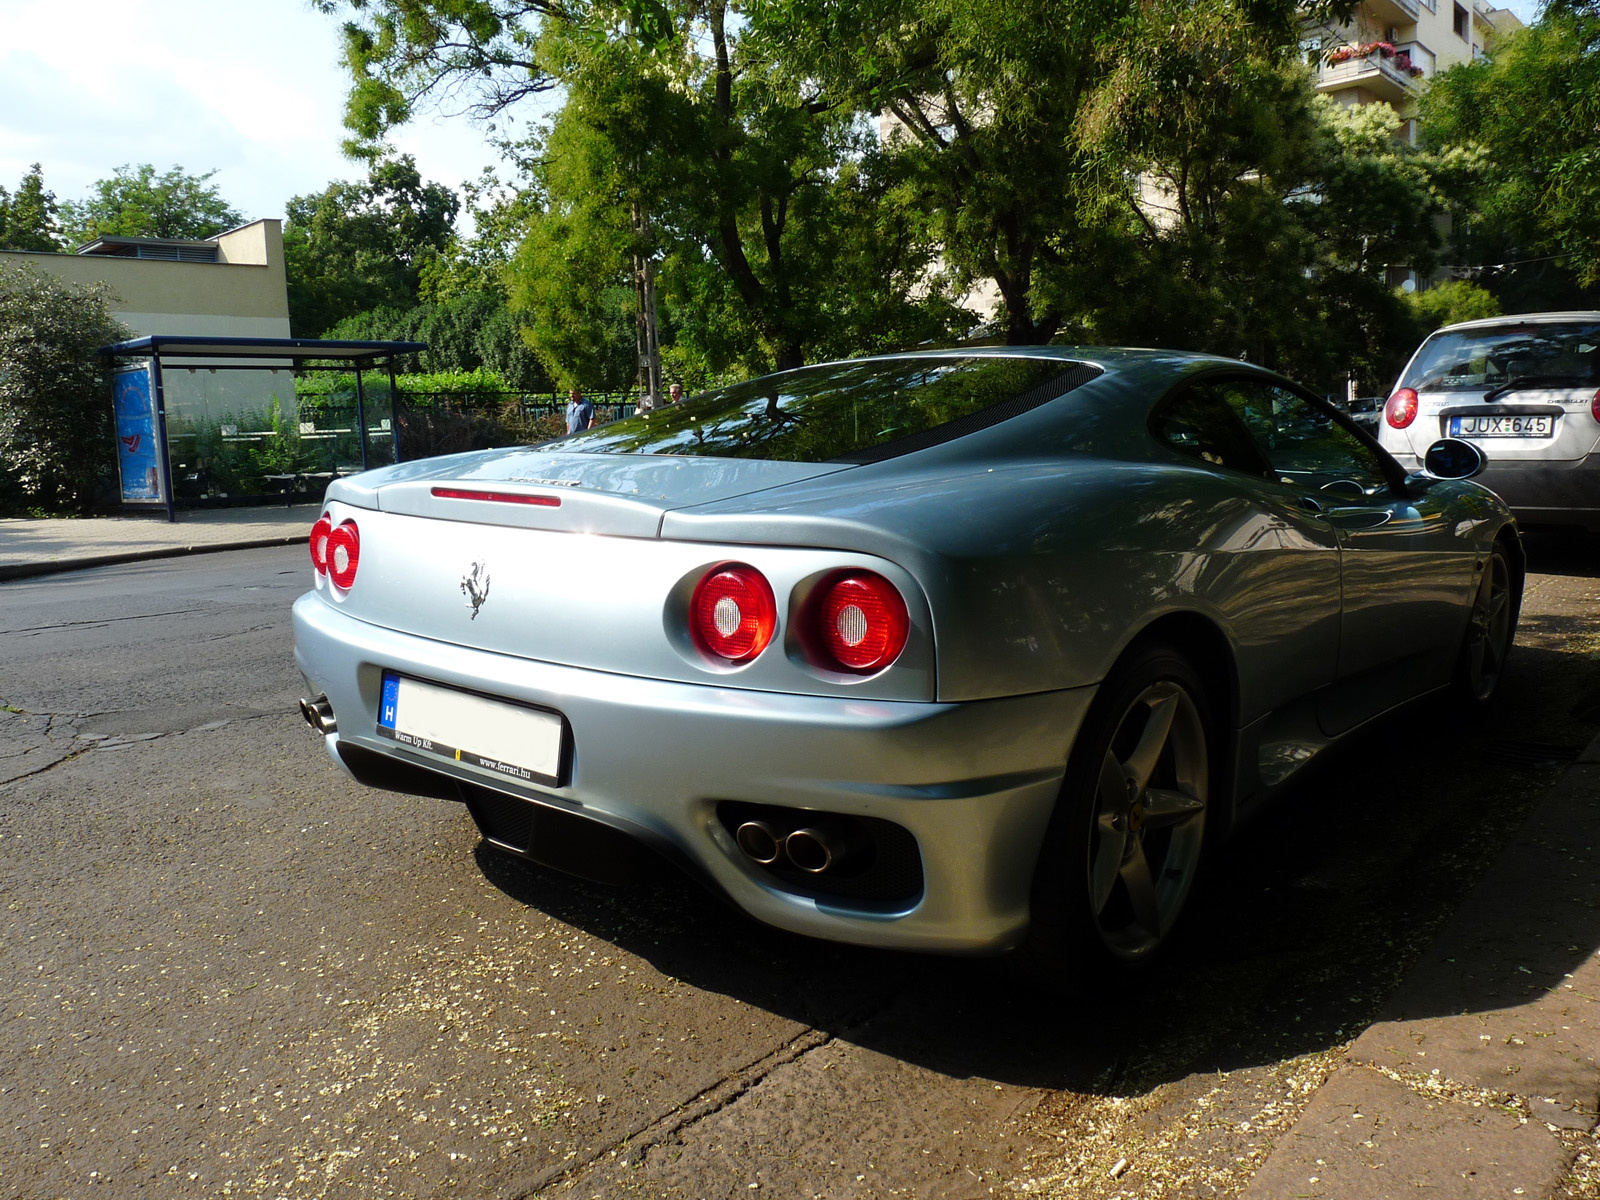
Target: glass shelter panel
{"points": [[236, 430]]}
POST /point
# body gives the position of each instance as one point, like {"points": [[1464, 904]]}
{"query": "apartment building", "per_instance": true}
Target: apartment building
{"points": [[1389, 49]]}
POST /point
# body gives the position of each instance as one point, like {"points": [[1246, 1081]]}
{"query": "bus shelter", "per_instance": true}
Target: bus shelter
{"points": [[211, 421]]}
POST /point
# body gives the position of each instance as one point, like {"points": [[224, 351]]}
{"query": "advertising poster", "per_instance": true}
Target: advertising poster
{"points": [[138, 447]]}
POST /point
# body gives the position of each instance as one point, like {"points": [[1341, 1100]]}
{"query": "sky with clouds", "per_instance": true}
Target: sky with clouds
{"points": [[252, 89]]}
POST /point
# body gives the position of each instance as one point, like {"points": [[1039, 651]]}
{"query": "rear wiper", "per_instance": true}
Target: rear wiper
{"points": [[1529, 381]]}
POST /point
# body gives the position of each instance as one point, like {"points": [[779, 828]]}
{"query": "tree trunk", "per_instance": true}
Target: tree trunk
{"points": [[646, 322]]}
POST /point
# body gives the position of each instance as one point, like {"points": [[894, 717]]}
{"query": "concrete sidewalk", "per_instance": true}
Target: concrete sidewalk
{"points": [[45, 546], [1481, 1077]]}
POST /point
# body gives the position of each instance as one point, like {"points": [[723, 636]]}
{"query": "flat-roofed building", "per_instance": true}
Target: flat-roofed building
{"points": [[230, 285]]}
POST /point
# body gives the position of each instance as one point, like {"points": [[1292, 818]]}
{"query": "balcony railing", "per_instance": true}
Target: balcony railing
{"points": [[1389, 76]]}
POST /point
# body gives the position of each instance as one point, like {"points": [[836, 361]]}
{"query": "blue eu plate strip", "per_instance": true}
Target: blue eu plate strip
{"points": [[391, 700]]}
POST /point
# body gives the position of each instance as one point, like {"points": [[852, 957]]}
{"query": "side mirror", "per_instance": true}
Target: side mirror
{"points": [[1451, 458]]}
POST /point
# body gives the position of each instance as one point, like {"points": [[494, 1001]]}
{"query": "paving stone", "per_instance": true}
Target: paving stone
{"points": [[1503, 1003], [1365, 1135]]}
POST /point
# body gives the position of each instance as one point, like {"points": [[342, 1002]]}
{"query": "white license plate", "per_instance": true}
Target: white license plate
{"points": [[1502, 426], [508, 739]]}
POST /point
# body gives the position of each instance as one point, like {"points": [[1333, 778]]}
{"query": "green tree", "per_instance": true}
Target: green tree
{"points": [[56, 445], [1013, 121], [1448, 303], [464, 332], [498, 214], [982, 100], [359, 245], [1533, 107], [677, 147], [402, 54], [28, 218], [136, 202], [1227, 208]]}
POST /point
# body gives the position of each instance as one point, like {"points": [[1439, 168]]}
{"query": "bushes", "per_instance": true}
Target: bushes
{"points": [[56, 447]]}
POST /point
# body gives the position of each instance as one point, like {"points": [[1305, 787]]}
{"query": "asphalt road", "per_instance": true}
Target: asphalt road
{"points": [[230, 971]]}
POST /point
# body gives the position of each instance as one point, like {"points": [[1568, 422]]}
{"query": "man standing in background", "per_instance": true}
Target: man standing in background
{"points": [[580, 412]]}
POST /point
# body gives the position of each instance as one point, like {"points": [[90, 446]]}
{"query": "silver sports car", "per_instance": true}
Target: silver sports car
{"points": [[946, 651]]}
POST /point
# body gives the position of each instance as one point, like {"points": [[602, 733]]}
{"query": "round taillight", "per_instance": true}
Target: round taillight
{"points": [[319, 544], [733, 614], [344, 555], [1594, 407], [863, 622], [1401, 409]]}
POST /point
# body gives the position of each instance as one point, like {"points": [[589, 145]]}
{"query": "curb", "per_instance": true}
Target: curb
{"points": [[56, 566]]}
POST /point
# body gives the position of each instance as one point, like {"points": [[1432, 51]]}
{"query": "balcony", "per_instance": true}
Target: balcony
{"points": [[1394, 12], [1387, 77], [1420, 56]]}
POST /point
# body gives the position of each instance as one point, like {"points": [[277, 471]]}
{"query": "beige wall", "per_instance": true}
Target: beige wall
{"points": [[242, 295]]}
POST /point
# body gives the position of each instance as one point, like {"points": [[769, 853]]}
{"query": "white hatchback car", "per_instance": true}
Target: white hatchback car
{"points": [[1525, 389]]}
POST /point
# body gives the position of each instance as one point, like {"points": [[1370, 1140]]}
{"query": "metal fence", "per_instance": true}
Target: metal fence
{"points": [[294, 457], [434, 423]]}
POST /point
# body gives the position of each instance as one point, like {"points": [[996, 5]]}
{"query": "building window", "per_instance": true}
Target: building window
{"points": [[1461, 22]]}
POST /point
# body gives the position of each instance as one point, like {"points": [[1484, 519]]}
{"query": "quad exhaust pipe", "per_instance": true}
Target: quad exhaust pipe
{"points": [[318, 714], [814, 849]]}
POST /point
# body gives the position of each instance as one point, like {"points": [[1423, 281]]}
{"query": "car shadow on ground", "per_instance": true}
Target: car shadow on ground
{"points": [[1310, 917]]}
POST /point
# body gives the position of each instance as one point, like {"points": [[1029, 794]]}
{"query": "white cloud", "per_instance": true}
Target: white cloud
{"points": [[254, 91]]}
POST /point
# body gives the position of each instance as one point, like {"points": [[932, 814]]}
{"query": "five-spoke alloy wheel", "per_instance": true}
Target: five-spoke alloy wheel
{"points": [[1124, 846], [1490, 629], [1149, 819]]}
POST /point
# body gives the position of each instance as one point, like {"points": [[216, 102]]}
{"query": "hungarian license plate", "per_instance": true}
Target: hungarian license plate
{"points": [[512, 740], [1487, 426]]}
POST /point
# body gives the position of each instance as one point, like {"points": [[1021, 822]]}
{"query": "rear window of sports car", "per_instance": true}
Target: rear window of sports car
{"points": [[855, 412]]}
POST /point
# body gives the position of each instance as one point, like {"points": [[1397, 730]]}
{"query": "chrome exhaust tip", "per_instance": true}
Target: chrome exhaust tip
{"points": [[318, 714], [760, 842], [809, 849], [816, 849]]}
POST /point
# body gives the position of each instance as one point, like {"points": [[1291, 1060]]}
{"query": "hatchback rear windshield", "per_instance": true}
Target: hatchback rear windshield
{"points": [[1487, 357], [860, 411]]}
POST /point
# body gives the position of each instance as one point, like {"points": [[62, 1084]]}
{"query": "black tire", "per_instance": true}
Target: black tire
{"points": [[1491, 629], [1124, 847]]}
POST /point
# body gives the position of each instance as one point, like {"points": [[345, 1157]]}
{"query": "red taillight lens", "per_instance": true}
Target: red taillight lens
{"points": [[343, 555], [1594, 407], [733, 614], [319, 544], [1401, 409], [863, 621]]}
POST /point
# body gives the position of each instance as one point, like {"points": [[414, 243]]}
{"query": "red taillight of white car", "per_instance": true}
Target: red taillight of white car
{"points": [[319, 544], [733, 614], [1401, 409], [343, 555], [1594, 407], [861, 622]]}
